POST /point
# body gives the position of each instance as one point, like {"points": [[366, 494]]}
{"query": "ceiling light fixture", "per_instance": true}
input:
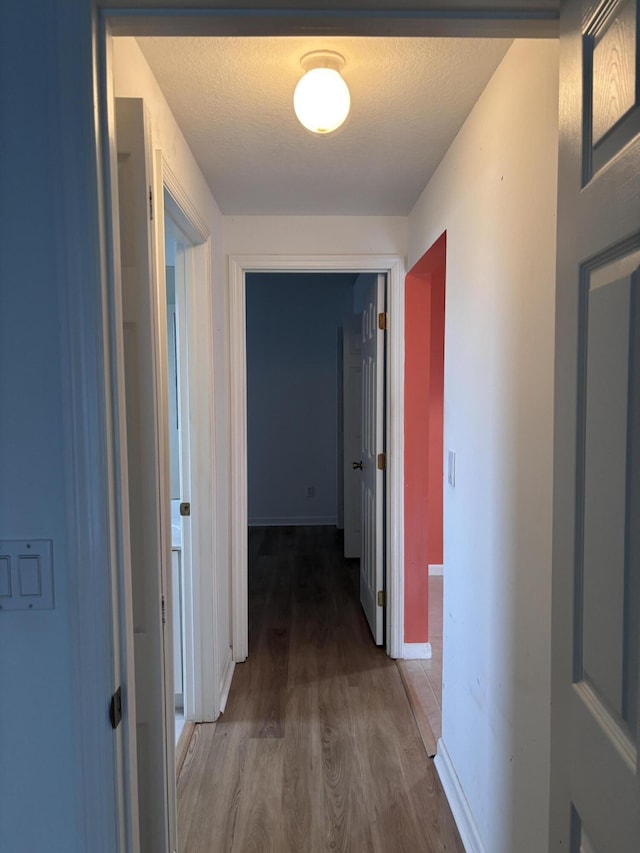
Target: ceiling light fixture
{"points": [[321, 99]]}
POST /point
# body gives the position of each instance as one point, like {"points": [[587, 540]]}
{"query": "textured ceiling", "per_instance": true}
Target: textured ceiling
{"points": [[232, 97]]}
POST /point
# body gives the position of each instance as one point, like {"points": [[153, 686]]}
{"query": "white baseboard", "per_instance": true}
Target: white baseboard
{"points": [[225, 685], [416, 651], [471, 840], [294, 521], [436, 571]]}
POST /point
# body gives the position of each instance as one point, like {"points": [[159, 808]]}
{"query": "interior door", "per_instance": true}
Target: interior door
{"points": [[372, 551], [144, 335], [595, 789], [352, 433]]}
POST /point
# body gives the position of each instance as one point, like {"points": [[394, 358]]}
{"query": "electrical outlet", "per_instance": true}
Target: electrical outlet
{"points": [[451, 468], [311, 491]]}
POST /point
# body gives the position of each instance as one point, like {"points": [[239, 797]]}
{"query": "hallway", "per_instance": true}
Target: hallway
{"points": [[317, 749]]}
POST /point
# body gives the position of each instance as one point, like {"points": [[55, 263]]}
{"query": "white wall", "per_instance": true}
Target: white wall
{"points": [[315, 235], [495, 194], [133, 78], [292, 383]]}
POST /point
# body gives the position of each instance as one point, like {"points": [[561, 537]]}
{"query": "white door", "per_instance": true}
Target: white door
{"points": [[144, 327], [372, 555], [595, 788], [352, 433]]}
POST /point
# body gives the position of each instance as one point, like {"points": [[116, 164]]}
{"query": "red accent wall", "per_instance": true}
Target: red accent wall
{"points": [[423, 434]]}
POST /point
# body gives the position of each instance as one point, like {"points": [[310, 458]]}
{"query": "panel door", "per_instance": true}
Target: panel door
{"points": [[147, 453], [372, 552], [595, 790], [352, 432]]}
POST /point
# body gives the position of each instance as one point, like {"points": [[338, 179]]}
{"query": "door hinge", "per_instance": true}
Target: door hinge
{"points": [[382, 461], [383, 321], [115, 708], [164, 611], [382, 599], [150, 204]]}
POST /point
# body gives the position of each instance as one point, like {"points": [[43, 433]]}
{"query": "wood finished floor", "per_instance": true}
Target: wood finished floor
{"points": [[317, 749], [423, 678]]}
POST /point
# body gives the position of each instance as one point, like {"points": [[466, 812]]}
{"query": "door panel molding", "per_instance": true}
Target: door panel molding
{"points": [[393, 266], [595, 788], [372, 562], [351, 431]]}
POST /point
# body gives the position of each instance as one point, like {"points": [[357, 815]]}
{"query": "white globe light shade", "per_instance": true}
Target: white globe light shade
{"points": [[321, 100]]}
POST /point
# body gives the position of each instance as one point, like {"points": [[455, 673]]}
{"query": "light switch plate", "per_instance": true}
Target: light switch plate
{"points": [[26, 574], [5, 577]]}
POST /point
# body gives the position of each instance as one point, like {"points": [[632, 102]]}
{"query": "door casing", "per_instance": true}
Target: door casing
{"points": [[93, 409], [202, 699], [393, 267]]}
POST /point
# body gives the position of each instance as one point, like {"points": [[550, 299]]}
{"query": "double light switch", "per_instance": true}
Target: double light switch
{"points": [[26, 574]]}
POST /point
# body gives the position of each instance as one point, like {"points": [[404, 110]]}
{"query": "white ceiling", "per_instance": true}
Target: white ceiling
{"points": [[232, 97]]}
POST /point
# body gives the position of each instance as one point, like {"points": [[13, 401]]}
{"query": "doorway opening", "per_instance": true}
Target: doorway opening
{"points": [[396, 601], [307, 464], [424, 484], [391, 267], [177, 247]]}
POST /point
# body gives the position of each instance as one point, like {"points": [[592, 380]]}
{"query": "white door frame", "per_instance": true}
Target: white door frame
{"points": [[92, 396], [202, 699], [393, 267], [204, 690]]}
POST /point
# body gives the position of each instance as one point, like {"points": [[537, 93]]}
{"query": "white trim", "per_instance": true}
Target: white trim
{"points": [[202, 694], [161, 355], [458, 802], [87, 249], [185, 214], [436, 570], [393, 266], [294, 521], [202, 495], [416, 651], [191, 624], [225, 681], [122, 597], [82, 270], [395, 460], [238, 521]]}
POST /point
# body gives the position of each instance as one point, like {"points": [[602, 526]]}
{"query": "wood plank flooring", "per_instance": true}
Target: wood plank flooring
{"points": [[318, 749], [423, 678]]}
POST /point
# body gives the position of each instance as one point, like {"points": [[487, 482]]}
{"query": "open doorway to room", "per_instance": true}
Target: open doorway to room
{"points": [[423, 489], [293, 323], [380, 569], [235, 494], [313, 480], [190, 389], [177, 245]]}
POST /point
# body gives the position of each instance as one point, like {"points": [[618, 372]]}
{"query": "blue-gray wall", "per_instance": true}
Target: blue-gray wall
{"points": [[292, 371], [38, 756]]}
